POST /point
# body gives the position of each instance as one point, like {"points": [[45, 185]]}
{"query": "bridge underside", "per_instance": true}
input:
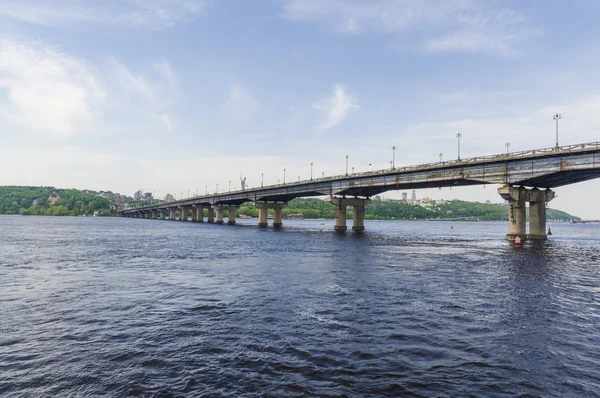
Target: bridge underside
{"points": [[561, 178], [368, 191]]}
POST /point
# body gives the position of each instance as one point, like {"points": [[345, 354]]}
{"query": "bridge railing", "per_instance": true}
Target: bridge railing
{"points": [[565, 149]]}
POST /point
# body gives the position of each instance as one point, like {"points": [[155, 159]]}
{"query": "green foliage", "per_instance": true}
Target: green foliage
{"points": [[51, 201]]}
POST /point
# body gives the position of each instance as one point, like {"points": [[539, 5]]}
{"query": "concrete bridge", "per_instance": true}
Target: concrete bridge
{"points": [[526, 177]]}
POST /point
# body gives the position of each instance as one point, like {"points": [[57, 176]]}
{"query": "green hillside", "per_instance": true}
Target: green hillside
{"points": [[51, 201]]}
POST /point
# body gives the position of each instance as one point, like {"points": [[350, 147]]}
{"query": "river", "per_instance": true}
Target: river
{"points": [[117, 306]]}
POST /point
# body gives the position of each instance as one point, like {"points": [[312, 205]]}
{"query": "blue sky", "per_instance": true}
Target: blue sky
{"points": [[171, 96]]}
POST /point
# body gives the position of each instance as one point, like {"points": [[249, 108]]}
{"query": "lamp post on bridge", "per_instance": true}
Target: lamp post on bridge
{"points": [[346, 165], [262, 179], [311, 170], [557, 117], [391, 165], [217, 191], [441, 155], [458, 136], [352, 170], [229, 186], [283, 176], [206, 192], [507, 145], [393, 157]]}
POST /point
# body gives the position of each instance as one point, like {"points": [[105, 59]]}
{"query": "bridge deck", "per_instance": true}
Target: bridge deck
{"points": [[541, 168]]}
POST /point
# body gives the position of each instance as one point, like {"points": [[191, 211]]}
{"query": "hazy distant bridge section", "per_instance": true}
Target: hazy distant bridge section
{"points": [[537, 169]]}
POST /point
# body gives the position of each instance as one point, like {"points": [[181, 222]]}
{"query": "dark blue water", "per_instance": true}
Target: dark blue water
{"points": [[114, 306]]}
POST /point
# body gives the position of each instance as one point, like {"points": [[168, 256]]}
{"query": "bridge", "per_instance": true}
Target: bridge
{"points": [[525, 176]]}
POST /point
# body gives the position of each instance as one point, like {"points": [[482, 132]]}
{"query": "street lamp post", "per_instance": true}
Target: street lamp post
{"points": [[217, 188], [352, 170], [229, 185], [206, 192], [393, 157], [283, 176], [458, 136], [346, 164], [311, 170], [507, 145], [262, 179], [557, 117], [441, 155], [391, 165]]}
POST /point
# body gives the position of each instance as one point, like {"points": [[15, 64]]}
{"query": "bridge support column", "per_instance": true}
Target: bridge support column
{"points": [[172, 214], [183, 213], [198, 213], [161, 214], [358, 223], [154, 215], [278, 216], [231, 215], [537, 213], [219, 211], [263, 211], [210, 218], [516, 211], [340, 212], [516, 197]]}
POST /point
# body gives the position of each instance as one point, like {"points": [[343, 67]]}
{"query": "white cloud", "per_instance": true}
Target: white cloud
{"points": [[436, 25], [336, 108], [239, 106], [152, 95], [151, 14], [47, 91]]}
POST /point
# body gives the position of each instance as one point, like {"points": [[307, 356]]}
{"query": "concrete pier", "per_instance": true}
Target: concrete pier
{"points": [[183, 213], [210, 218], [198, 213], [340, 212], [537, 213], [172, 214], [516, 197], [219, 210], [516, 211], [231, 215], [263, 212]]}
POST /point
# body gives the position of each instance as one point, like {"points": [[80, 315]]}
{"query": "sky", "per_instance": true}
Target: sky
{"points": [[181, 95]]}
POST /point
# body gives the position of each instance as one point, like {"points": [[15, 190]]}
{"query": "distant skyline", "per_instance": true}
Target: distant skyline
{"points": [[171, 96]]}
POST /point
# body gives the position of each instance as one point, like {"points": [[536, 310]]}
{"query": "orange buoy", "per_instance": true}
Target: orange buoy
{"points": [[518, 240]]}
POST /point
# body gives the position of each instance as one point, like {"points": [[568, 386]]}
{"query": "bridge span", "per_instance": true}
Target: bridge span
{"points": [[526, 177]]}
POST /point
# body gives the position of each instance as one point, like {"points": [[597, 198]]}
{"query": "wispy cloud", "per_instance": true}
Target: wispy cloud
{"points": [[151, 93], [240, 104], [336, 108], [151, 14], [48, 91], [436, 25]]}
